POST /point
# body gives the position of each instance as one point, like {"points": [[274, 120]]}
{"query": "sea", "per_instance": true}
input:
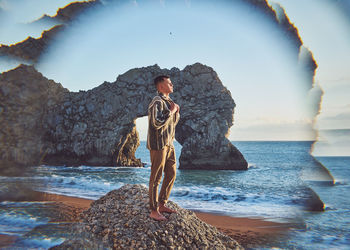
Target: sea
{"points": [[273, 188]]}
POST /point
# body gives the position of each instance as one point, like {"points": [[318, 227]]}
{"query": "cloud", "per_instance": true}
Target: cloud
{"points": [[273, 129], [332, 142], [16, 15], [267, 121], [336, 118]]}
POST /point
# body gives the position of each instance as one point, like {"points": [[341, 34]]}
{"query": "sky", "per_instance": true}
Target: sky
{"points": [[15, 15], [324, 28], [253, 60]]}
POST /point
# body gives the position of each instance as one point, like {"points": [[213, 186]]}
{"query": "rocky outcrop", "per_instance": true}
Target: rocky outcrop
{"points": [[120, 220], [25, 96], [43, 123], [206, 115]]}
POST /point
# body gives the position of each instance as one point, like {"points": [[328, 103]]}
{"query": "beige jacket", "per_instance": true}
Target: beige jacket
{"points": [[161, 123]]}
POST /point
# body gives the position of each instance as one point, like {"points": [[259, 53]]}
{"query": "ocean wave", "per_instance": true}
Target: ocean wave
{"points": [[252, 165], [37, 242], [206, 193], [17, 222], [341, 183]]}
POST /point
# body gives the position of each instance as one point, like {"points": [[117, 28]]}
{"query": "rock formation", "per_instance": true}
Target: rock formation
{"points": [[120, 220], [25, 96], [44, 123]]}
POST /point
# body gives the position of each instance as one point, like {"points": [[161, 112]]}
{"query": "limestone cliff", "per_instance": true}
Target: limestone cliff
{"points": [[25, 96], [43, 123]]}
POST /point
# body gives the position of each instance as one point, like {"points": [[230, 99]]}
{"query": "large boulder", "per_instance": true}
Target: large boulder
{"points": [[120, 220], [44, 123]]}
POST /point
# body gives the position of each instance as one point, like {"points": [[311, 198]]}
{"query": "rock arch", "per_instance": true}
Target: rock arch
{"points": [[97, 127]]}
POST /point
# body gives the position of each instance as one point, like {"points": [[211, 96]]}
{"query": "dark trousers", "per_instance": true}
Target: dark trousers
{"points": [[162, 161]]}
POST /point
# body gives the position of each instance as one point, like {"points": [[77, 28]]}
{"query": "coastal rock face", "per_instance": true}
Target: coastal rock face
{"points": [[206, 116], [120, 220], [25, 96], [46, 124]]}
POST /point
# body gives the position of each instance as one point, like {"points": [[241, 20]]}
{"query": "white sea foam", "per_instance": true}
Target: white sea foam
{"points": [[17, 222]]}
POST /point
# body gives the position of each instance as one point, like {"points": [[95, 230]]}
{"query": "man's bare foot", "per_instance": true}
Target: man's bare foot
{"points": [[163, 208], [157, 215]]}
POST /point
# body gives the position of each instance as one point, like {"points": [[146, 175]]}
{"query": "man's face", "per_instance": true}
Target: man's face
{"points": [[166, 86]]}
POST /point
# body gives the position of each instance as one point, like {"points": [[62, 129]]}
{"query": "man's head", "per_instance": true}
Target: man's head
{"points": [[163, 84]]}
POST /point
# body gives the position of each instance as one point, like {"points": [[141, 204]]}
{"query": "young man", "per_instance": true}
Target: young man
{"points": [[163, 116]]}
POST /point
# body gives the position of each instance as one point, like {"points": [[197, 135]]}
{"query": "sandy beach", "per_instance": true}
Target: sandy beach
{"points": [[6, 240], [249, 232]]}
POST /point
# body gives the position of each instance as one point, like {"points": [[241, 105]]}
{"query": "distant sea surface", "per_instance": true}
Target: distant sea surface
{"points": [[272, 188]]}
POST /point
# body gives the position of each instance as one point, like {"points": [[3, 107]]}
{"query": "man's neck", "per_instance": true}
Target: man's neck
{"points": [[164, 94]]}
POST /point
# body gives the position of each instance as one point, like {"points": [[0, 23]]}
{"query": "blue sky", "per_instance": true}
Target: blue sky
{"points": [[324, 28], [253, 60], [14, 14]]}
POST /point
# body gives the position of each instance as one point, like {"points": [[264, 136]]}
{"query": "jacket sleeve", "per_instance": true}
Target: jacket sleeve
{"points": [[177, 118], [158, 117]]}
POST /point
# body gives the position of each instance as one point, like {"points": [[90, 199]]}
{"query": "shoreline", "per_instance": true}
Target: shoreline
{"points": [[249, 232]]}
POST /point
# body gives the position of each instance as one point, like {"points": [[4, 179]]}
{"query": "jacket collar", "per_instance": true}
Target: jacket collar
{"points": [[164, 97]]}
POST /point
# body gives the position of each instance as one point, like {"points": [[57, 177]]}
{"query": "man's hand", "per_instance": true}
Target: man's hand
{"points": [[174, 108], [178, 107]]}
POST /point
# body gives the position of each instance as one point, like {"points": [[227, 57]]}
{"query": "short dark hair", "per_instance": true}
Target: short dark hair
{"points": [[159, 79]]}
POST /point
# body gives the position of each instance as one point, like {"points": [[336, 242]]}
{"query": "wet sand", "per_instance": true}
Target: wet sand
{"points": [[6, 240], [77, 202], [249, 232]]}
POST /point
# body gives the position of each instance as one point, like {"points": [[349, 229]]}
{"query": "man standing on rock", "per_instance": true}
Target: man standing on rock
{"points": [[163, 116]]}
